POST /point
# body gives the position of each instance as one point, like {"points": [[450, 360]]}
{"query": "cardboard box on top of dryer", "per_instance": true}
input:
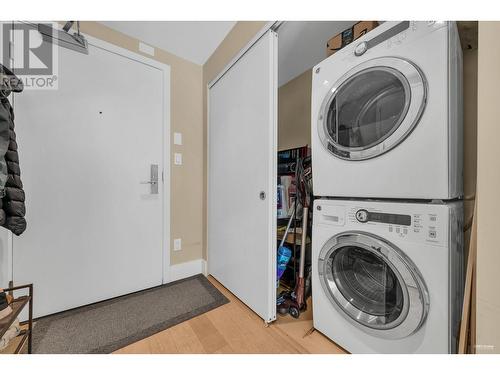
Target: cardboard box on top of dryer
{"points": [[349, 35]]}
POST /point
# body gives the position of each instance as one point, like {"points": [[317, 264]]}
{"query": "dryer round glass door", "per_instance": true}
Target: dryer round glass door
{"points": [[372, 108], [374, 284]]}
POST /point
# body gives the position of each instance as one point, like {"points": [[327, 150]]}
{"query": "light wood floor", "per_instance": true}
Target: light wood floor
{"points": [[234, 328]]}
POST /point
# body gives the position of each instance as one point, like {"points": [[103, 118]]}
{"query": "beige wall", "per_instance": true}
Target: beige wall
{"points": [[235, 40], [294, 112], [488, 189], [470, 134], [187, 182]]}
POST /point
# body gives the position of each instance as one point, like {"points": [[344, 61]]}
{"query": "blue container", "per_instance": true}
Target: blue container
{"points": [[284, 255]]}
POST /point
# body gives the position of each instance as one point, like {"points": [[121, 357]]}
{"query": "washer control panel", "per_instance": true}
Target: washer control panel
{"points": [[330, 214], [415, 224], [364, 216], [423, 223]]}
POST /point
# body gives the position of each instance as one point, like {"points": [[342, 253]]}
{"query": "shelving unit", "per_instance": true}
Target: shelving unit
{"points": [[286, 160], [25, 336]]}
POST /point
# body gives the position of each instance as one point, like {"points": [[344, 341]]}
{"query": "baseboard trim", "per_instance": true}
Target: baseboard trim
{"points": [[187, 269], [204, 267]]}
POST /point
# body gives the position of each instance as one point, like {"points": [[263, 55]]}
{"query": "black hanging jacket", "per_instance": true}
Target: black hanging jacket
{"points": [[12, 207]]}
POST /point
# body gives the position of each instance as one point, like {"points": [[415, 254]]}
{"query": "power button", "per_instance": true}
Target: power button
{"points": [[362, 216]]}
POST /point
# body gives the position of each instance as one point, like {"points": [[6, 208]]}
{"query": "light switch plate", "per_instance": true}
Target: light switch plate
{"points": [[178, 139], [177, 159], [177, 244]]}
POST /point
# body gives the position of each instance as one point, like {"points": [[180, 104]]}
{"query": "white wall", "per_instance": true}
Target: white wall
{"points": [[5, 259], [4, 254]]}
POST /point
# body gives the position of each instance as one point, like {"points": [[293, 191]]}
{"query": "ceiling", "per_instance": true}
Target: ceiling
{"points": [[192, 40], [302, 45]]}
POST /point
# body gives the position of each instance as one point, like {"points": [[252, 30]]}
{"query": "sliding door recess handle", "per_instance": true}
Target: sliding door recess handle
{"points": [[262, 195]]}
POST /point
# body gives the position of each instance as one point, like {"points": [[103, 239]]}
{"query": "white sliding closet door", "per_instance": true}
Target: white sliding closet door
{"points": [[95, 228], [242, 177]]}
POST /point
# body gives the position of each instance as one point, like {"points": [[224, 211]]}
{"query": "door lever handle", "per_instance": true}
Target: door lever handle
{"points": [[153, 182]]}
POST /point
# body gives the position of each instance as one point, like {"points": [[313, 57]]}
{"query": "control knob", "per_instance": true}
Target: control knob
{"points": [[362, 216]]}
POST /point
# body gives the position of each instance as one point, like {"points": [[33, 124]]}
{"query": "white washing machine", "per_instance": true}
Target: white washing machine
{"points": [[388, 277], [387, 115]]}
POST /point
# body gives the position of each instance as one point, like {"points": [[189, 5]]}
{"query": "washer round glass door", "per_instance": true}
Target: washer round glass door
{"points": [[374, 283], [372, 108]]}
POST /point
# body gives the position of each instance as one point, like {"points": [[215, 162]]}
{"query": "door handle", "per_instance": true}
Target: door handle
{"points": [[154, 179]]}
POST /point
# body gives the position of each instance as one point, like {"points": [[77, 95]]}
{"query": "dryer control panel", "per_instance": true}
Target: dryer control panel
{"points": [[387, 36]]}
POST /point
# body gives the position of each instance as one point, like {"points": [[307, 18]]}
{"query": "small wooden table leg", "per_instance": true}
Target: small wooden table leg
{"points": [[30, 322]]}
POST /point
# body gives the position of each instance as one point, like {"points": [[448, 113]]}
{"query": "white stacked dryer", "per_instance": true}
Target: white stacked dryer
{"points": [[387, 159], [387, 115]]}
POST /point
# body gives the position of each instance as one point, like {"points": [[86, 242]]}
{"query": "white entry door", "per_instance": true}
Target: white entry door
{"points": [[242, 177], [95, 229]]}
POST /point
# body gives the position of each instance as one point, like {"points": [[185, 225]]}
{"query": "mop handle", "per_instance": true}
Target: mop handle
{"points": [[288, 227], [303, 244]]}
